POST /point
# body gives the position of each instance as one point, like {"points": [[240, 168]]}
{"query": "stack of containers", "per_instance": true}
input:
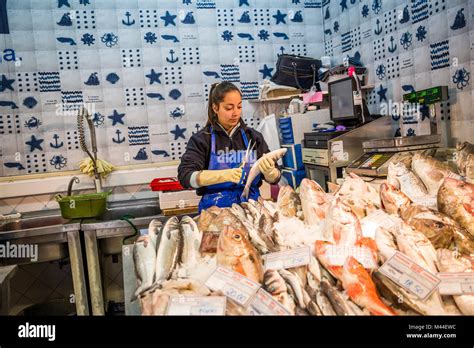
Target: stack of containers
{"points": [[292, 131]]}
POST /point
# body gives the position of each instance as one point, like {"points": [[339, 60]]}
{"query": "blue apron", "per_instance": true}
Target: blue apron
{"points": [[225, 194]]}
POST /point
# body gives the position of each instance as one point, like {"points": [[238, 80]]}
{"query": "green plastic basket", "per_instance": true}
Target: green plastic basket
{"points": [[82, 206]]}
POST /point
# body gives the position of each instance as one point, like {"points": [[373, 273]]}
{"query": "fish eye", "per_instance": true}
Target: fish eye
{"points": [[237, 237]]}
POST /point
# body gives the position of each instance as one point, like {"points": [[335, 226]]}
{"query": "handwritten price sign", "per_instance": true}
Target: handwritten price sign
{"points": [[409, 275]]}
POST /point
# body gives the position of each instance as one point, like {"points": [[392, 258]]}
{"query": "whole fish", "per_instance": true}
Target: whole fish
{"points": [[448, 262], [293, 282], [255, 171], [238, 211], [359, 206], [154, 231], [392, 199], [361, 289], [266, 228], [191, 242], [314, 202], [342, 225], [464, 241], [416, 246], [235, 252], [288, 201], [386, 244], [144, 258], [431, 171], [464, 159], [324, 304], [271, 207], [406, 181], [355, 186], [254, 234], [404, 157], [252, 210], [276, 286], [170, 250], [321, 249], [205, 220], [209, 225], [437, 227], [456, 199], [337, 300], [400, 298]]}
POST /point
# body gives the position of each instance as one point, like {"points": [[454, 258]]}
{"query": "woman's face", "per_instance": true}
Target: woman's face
{"points": [[229, 110]]}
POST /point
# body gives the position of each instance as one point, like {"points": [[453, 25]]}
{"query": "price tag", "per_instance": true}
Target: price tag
{"points": [[196, 305], [375, 219], [264, 304], [409, 275], [337, 255], [288, 258], [426, 201], [337, 150], [461, 283], [234, 285]]}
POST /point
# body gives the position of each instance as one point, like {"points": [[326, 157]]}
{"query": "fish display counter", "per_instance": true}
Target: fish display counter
{"points": [[404, 247]]}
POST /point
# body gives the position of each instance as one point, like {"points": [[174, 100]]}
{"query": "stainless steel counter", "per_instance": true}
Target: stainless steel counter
{"points": [[56, 238]]}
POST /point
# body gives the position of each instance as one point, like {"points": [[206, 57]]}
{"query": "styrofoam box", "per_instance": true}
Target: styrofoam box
{"points": [[178, 199]]}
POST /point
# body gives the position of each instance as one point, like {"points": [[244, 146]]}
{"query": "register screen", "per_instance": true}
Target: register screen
{"points": [[342, 105]]}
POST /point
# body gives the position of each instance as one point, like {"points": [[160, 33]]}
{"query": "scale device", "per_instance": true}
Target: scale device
{"points": [[379, 153]]}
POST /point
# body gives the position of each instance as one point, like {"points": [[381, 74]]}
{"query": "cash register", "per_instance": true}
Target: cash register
{"points": [[346, 111]]}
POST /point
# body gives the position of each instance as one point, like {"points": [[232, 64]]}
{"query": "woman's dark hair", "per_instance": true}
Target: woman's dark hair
{"points": [[216, 96]]}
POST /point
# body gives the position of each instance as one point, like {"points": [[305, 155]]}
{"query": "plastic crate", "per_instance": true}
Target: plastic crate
{"points": [[83, 206], [166, 184]]}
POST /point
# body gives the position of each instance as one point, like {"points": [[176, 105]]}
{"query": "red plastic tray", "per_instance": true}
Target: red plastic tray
{"points": [[166, 184]]}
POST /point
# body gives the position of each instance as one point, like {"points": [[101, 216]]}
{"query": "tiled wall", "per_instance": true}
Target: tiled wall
{"points": [[406, 45], [144, 66]]}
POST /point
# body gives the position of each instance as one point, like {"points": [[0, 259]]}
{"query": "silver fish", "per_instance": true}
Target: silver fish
{"points": [[386, 245], [295, 284], [276, 286], [154, 231], [254, 171], [406, 181], [255, 238], [144, 258], [416, 246], [324, 304], [448, 262], [338, 302], [431, 171], [170, 251], [191, 242], [400, 298]]}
